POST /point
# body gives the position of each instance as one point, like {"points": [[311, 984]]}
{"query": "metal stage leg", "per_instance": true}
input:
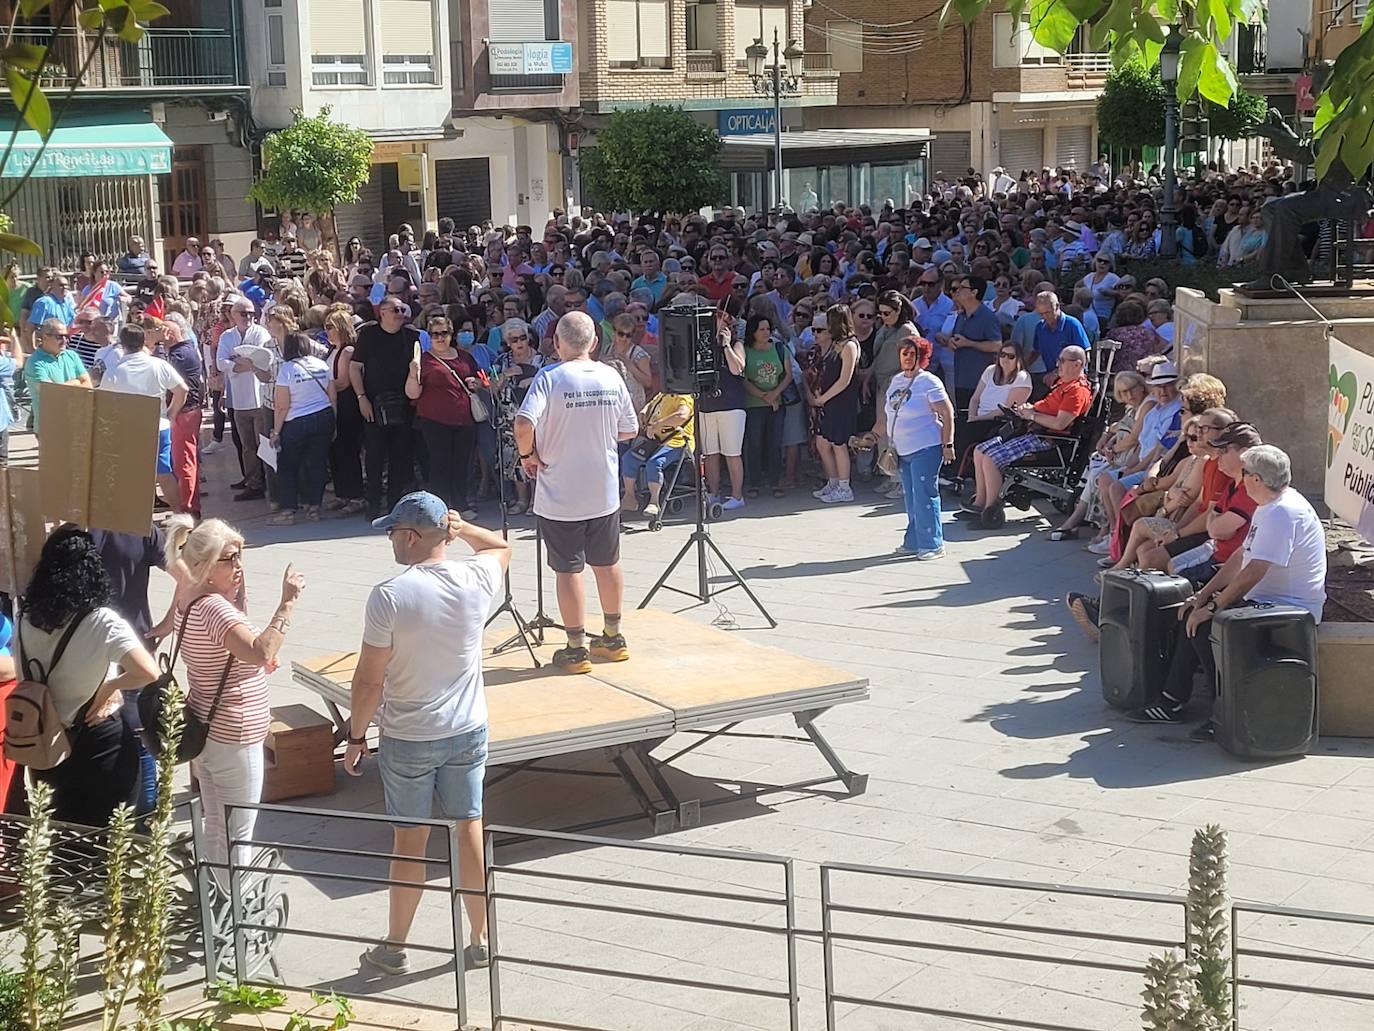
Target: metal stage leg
{"points": [[688, 813], [663, 819], [855, 783]]}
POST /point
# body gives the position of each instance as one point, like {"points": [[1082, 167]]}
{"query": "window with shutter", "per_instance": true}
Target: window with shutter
{"points": [[408, 42], [517, 21], [338, 42], [637, 33], [757, 21]]}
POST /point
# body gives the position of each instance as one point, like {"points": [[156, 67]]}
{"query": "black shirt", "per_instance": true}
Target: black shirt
{"points": [[128, 560], [145, 290], [31, 296], [385, 357], [185, 358], [731, 395]]}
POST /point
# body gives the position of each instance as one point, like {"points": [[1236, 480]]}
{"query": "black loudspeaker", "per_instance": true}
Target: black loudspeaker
{"points": [[1266, 705], [1138, 625], [687, 349]]}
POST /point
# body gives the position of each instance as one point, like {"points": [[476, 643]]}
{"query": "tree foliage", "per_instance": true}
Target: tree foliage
{"points": [[655, 159], [313, 165], [1237, 119], [1130, 111], [1135, 30]]}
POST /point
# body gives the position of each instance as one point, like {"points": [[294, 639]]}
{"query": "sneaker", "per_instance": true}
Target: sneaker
{"points": [[476, 957], [249, 495], [651, 511], [829, 486], [610, 647], [572, 660], [1102, 547], [1165, 712], [386, 959], [1206, 732], [930, 553], [902, 549], [1106, 562], [238, 485], [732, 504], [895, 492], [211, 448], [840, 495], [1085, 613]]}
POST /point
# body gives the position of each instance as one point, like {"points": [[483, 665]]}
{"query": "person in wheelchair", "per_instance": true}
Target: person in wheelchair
{"points": [[1070, 398], [665, 435]]}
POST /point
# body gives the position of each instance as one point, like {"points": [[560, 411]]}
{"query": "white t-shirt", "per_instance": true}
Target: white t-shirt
{"points": [[579, 409], [108, 357], [308, 380], [1287, 533], [911, 425], [147, 374], [1103, 299], [93, 655], [994, 395], [246, 391], [432, 617]]}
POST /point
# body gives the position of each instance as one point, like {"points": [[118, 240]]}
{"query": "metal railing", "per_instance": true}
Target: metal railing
{"points": [[817, 61], [831, 937], [1239, 951], [163, 58], [703, 62], [1088, 64]]}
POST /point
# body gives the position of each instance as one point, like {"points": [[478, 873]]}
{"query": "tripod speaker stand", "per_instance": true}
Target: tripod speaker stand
{"points": [[523, 630]]}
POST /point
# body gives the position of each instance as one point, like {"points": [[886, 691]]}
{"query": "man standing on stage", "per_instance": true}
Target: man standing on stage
{"points": [[421, 665], [566, 433]]}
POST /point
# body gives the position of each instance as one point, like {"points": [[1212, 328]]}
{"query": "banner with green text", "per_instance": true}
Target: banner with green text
{"points": [[1350, 437]]}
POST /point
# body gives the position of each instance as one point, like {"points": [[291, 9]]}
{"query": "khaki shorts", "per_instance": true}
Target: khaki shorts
{"points": [[722, 433]]}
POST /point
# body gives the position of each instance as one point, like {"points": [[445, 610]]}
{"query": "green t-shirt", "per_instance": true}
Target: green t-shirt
{"points": [[765, 369], [42, 367]]}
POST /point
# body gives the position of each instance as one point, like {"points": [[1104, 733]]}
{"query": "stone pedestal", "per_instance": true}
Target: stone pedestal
{"points": [[1272, 356]]}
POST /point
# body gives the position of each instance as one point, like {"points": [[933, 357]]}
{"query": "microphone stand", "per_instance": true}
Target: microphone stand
{"points": [[522, 628]]}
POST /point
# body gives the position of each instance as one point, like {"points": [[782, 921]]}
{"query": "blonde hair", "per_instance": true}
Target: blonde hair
{"points": [[285, 316], [341, 322], [196, 549]]}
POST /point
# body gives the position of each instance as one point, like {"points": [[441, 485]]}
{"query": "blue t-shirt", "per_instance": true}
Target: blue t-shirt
{"points": [[1049, 342], [49, 307], [969, 362], [1160, 426]]}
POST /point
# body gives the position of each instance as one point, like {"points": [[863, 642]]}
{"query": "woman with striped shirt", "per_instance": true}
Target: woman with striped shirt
{"points": [[227, 664]]}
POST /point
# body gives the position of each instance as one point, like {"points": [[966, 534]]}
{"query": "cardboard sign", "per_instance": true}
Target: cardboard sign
{"points": [[97, 457], [22, 528], [1350, 437]]}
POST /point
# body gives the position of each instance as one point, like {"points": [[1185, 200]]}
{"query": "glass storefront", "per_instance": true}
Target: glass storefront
{"points": [[872, 183]]}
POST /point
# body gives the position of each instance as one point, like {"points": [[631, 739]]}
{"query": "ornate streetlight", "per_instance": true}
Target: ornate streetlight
{"points": [[1168, 73], [780, 79]]}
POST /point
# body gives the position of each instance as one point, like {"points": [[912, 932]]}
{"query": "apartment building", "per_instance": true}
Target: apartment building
{"points": [[155, 142], [988, 93]]}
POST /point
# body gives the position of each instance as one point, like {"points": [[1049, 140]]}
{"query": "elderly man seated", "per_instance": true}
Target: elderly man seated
{"points": [[1071, 397], [1282, 562]]}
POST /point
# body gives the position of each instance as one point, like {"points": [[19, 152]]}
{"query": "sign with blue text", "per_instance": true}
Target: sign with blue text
{"points": [[551, 58], [746, 121]]}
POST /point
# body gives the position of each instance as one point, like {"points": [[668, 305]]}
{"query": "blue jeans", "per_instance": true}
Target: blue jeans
{"points": [[653, 466], [303, 461], [453, 768], [921, 491]]}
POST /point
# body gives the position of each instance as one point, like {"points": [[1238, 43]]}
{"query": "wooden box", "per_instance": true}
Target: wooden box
{"points": [[298, 755]]}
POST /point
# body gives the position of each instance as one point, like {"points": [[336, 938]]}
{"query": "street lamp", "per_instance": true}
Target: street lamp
{"points": [[780, 79], [1168, 74]]}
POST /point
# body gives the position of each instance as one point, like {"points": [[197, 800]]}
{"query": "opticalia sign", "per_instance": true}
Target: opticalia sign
{"points": [[746, 121], [551, 58]]}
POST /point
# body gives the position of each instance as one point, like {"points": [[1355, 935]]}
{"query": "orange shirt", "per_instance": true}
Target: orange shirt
{"points": [[1067, 396]]}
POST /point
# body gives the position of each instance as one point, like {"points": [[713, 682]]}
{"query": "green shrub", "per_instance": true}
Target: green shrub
{"points": [[1204, 275]]}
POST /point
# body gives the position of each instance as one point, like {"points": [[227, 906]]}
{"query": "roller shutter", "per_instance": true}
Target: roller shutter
{"points": [[364, 219], [463, 190], [949, 156], [1074, 147], [1021, 149]]}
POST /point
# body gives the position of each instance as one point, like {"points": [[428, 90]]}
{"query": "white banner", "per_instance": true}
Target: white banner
{"points": [[1350, 437]]}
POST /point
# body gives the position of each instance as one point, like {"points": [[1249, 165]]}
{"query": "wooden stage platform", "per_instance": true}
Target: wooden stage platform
{"points": [[681, 676]]}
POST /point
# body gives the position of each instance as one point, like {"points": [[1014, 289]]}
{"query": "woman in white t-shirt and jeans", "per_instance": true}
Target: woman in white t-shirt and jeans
{"points": [[919, 421], [102, 658], [1004, 382], [221, 647], [303, 414]]}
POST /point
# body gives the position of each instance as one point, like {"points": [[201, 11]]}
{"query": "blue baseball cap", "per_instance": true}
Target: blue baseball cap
{"points": [[419, 510]]}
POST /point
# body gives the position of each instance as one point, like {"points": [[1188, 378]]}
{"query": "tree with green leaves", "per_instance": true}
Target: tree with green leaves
{"points": [[653, 160], [1130, 111], [1135, 30], [313, 165], [1237, 119], [25, 64]]}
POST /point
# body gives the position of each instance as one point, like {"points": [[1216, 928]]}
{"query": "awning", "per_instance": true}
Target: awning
{"points": [[832, 139], [132, 145]]}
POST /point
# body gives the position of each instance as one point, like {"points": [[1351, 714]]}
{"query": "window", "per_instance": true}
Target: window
{"points": [[523, 21], [757, 20], [338, 43], [1013, 45], [408, 43], [276, 44], [637, 33], [701, 26], [845, 45]]}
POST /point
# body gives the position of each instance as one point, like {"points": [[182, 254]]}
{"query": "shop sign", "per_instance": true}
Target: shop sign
{"points": [[554, 57], [746, 121]]}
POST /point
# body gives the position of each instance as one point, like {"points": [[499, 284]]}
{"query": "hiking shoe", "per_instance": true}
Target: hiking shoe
{"points": [[386, 959], [1085, 612], [573, 660], [610, 648], [1165, 712]]}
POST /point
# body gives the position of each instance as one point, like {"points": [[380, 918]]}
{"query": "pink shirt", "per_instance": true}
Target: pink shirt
{"points": [[245, 710]]}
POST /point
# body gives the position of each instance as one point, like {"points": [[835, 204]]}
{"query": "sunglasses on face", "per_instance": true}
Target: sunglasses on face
{"points": [[234, 558], [1008, 354], [516, 339], [863, 315], [440, 334], [886, 312]]}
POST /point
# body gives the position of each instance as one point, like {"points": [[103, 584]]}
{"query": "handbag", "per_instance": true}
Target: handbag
{"points": [[790, 395], [887, 461], [152, 699], [1145, 504], [391, 408], [476, 404], [644, 448]]}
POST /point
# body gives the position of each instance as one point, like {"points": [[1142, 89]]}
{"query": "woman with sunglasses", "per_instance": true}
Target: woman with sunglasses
{"points": [[1004, 382], [1102, 282], [833, 393], [441, 385]]}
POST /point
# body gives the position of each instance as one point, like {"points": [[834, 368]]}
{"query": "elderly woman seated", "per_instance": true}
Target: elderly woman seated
{"points": [[1071, 397]]}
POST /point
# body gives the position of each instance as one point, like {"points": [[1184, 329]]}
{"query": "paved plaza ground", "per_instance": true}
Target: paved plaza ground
{"points": [[990, 753]]}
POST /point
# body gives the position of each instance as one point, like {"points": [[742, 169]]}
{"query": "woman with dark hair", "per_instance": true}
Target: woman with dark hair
{"points": [[919, 422], [353, 250], [68, 599], [303, 428], [1004, 382], [441, 384], [897, 321], [834, 392], [767, 374], [345, 451]]}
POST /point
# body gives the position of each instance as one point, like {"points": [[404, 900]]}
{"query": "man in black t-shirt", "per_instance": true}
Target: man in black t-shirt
{"points": [[382, 360]]}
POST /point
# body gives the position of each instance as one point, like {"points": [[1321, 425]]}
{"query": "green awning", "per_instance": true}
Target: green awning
{"points": [[130, 147]]}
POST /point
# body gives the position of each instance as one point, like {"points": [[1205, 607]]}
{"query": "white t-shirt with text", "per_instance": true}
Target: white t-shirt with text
{"points": [[307, 379], [579, 409], [1287, 534], [432, 617]]}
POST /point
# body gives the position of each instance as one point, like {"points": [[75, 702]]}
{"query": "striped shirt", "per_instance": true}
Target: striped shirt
{"points": [[245, 711]]}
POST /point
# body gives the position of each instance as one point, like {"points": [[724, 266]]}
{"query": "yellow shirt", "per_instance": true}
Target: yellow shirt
{"points": [[666, 404]]}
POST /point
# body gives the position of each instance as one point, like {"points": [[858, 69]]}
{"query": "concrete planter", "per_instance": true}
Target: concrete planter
{"points": [[1345, 659]]}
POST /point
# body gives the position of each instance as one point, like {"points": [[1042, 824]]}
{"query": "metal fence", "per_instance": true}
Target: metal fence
{"points": [[163, 57]]}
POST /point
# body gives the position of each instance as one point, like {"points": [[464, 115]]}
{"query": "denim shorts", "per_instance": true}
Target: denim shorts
{"points": [[414, 771], [164, 452]]}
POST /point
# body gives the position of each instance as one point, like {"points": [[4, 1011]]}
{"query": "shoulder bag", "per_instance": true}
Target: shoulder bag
{"points": [[34, 733], [476, 404], [151, 700], [790, 394]]}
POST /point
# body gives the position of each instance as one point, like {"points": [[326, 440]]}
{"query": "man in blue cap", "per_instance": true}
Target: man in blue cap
{"points": [[420, 673]]}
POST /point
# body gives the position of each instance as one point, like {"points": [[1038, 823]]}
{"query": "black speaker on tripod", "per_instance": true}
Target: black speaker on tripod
{"points": [[1266, 705], [1138, 625], [687, 349]]}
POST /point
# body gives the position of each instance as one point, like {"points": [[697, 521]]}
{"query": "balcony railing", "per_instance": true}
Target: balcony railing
{"points": [[162, 59], [1089, 64], [816, 61], [703, 62]]}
